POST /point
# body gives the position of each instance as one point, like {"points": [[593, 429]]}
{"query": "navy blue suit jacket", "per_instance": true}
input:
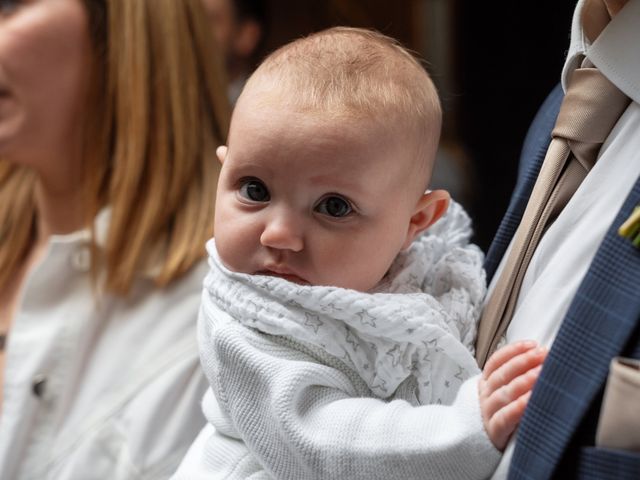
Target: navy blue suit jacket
{"points": [[556, 437]]}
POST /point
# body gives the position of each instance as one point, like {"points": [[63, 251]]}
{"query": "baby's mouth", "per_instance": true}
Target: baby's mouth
{"points": [[284, 274]]}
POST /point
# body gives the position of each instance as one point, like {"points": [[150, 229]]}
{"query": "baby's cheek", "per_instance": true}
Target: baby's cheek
{"points": [[231, 256], [355, 268], [232, 244]]}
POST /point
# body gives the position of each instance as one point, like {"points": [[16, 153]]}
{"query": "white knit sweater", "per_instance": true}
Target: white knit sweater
{"points": [[329, 383]]}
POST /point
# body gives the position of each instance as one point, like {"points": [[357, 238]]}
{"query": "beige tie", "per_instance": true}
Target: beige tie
{"points": [[590, 109]]}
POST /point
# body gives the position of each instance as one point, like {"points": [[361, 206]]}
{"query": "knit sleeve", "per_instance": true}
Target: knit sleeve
{"points": [[303, 418]]}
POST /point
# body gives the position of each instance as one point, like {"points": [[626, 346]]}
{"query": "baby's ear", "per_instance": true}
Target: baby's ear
{"points": [[221, 153], [431, 206]]}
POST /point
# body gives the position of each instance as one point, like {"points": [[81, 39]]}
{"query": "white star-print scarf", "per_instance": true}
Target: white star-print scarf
{"points": [[419, 321]]}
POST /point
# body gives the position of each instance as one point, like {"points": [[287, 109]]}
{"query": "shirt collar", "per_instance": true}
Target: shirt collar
{"points": [[101, 230], [612, 52], [101, 227]]}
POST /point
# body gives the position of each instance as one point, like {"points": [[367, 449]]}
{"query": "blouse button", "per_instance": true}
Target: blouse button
{"points": [[81, 259], [38, 385]]}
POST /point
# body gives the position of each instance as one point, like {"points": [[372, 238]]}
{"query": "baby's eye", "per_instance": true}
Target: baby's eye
{"points": [[254, 190], [334, 206]]}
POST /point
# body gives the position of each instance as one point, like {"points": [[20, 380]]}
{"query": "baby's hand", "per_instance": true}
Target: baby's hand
{"points": [[505, 387]]}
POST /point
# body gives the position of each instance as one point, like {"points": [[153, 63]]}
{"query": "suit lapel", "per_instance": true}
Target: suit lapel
{"points": [[602, 317]]}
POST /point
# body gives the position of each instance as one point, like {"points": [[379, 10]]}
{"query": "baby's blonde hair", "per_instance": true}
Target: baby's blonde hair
{"points": [[357, 73]]}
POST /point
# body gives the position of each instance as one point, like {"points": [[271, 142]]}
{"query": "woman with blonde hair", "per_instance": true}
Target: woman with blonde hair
{"points": [[110, 112]]}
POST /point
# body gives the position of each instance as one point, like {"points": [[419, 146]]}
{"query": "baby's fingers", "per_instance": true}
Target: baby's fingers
{"points": [[510, 392], [512, 368], [504, 422], [504, 354]]}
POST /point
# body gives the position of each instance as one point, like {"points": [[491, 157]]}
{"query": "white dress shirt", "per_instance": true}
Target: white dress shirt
{"points": [[566, 250], [99, 388]]}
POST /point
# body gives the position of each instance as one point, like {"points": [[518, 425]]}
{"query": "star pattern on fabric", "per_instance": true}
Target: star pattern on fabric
{"points": [[330, 307], [347, 358], [462, 373], [312, 320], [366, 318], [293, 303], [352, 340], [379, 384], [433, 343], [427, 355], [414, 366], [395, 353]]}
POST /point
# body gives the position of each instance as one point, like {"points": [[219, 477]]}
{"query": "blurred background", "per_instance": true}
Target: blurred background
{"points": [[493, 64]]}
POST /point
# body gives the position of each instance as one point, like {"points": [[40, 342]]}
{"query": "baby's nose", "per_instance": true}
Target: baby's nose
{"points": [[283, 233]]}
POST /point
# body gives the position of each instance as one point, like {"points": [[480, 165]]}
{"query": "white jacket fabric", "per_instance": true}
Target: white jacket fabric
{"points": [[99, 388], [324, 382]]}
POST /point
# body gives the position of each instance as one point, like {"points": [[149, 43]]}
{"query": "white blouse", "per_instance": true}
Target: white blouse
{"points": [[106, 388]]}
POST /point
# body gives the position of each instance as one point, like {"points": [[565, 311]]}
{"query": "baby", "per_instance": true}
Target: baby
{"points": [[336, 335]]}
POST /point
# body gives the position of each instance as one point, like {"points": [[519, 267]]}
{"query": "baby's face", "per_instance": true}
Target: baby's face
{"points": [[314, 201]]}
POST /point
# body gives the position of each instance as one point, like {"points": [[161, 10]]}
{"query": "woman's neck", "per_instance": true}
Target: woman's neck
{"points": [[59, 191], [60, 209]]}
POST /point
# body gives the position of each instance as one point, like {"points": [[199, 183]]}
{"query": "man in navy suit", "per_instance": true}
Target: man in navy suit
{"points": [[581, 292]]}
